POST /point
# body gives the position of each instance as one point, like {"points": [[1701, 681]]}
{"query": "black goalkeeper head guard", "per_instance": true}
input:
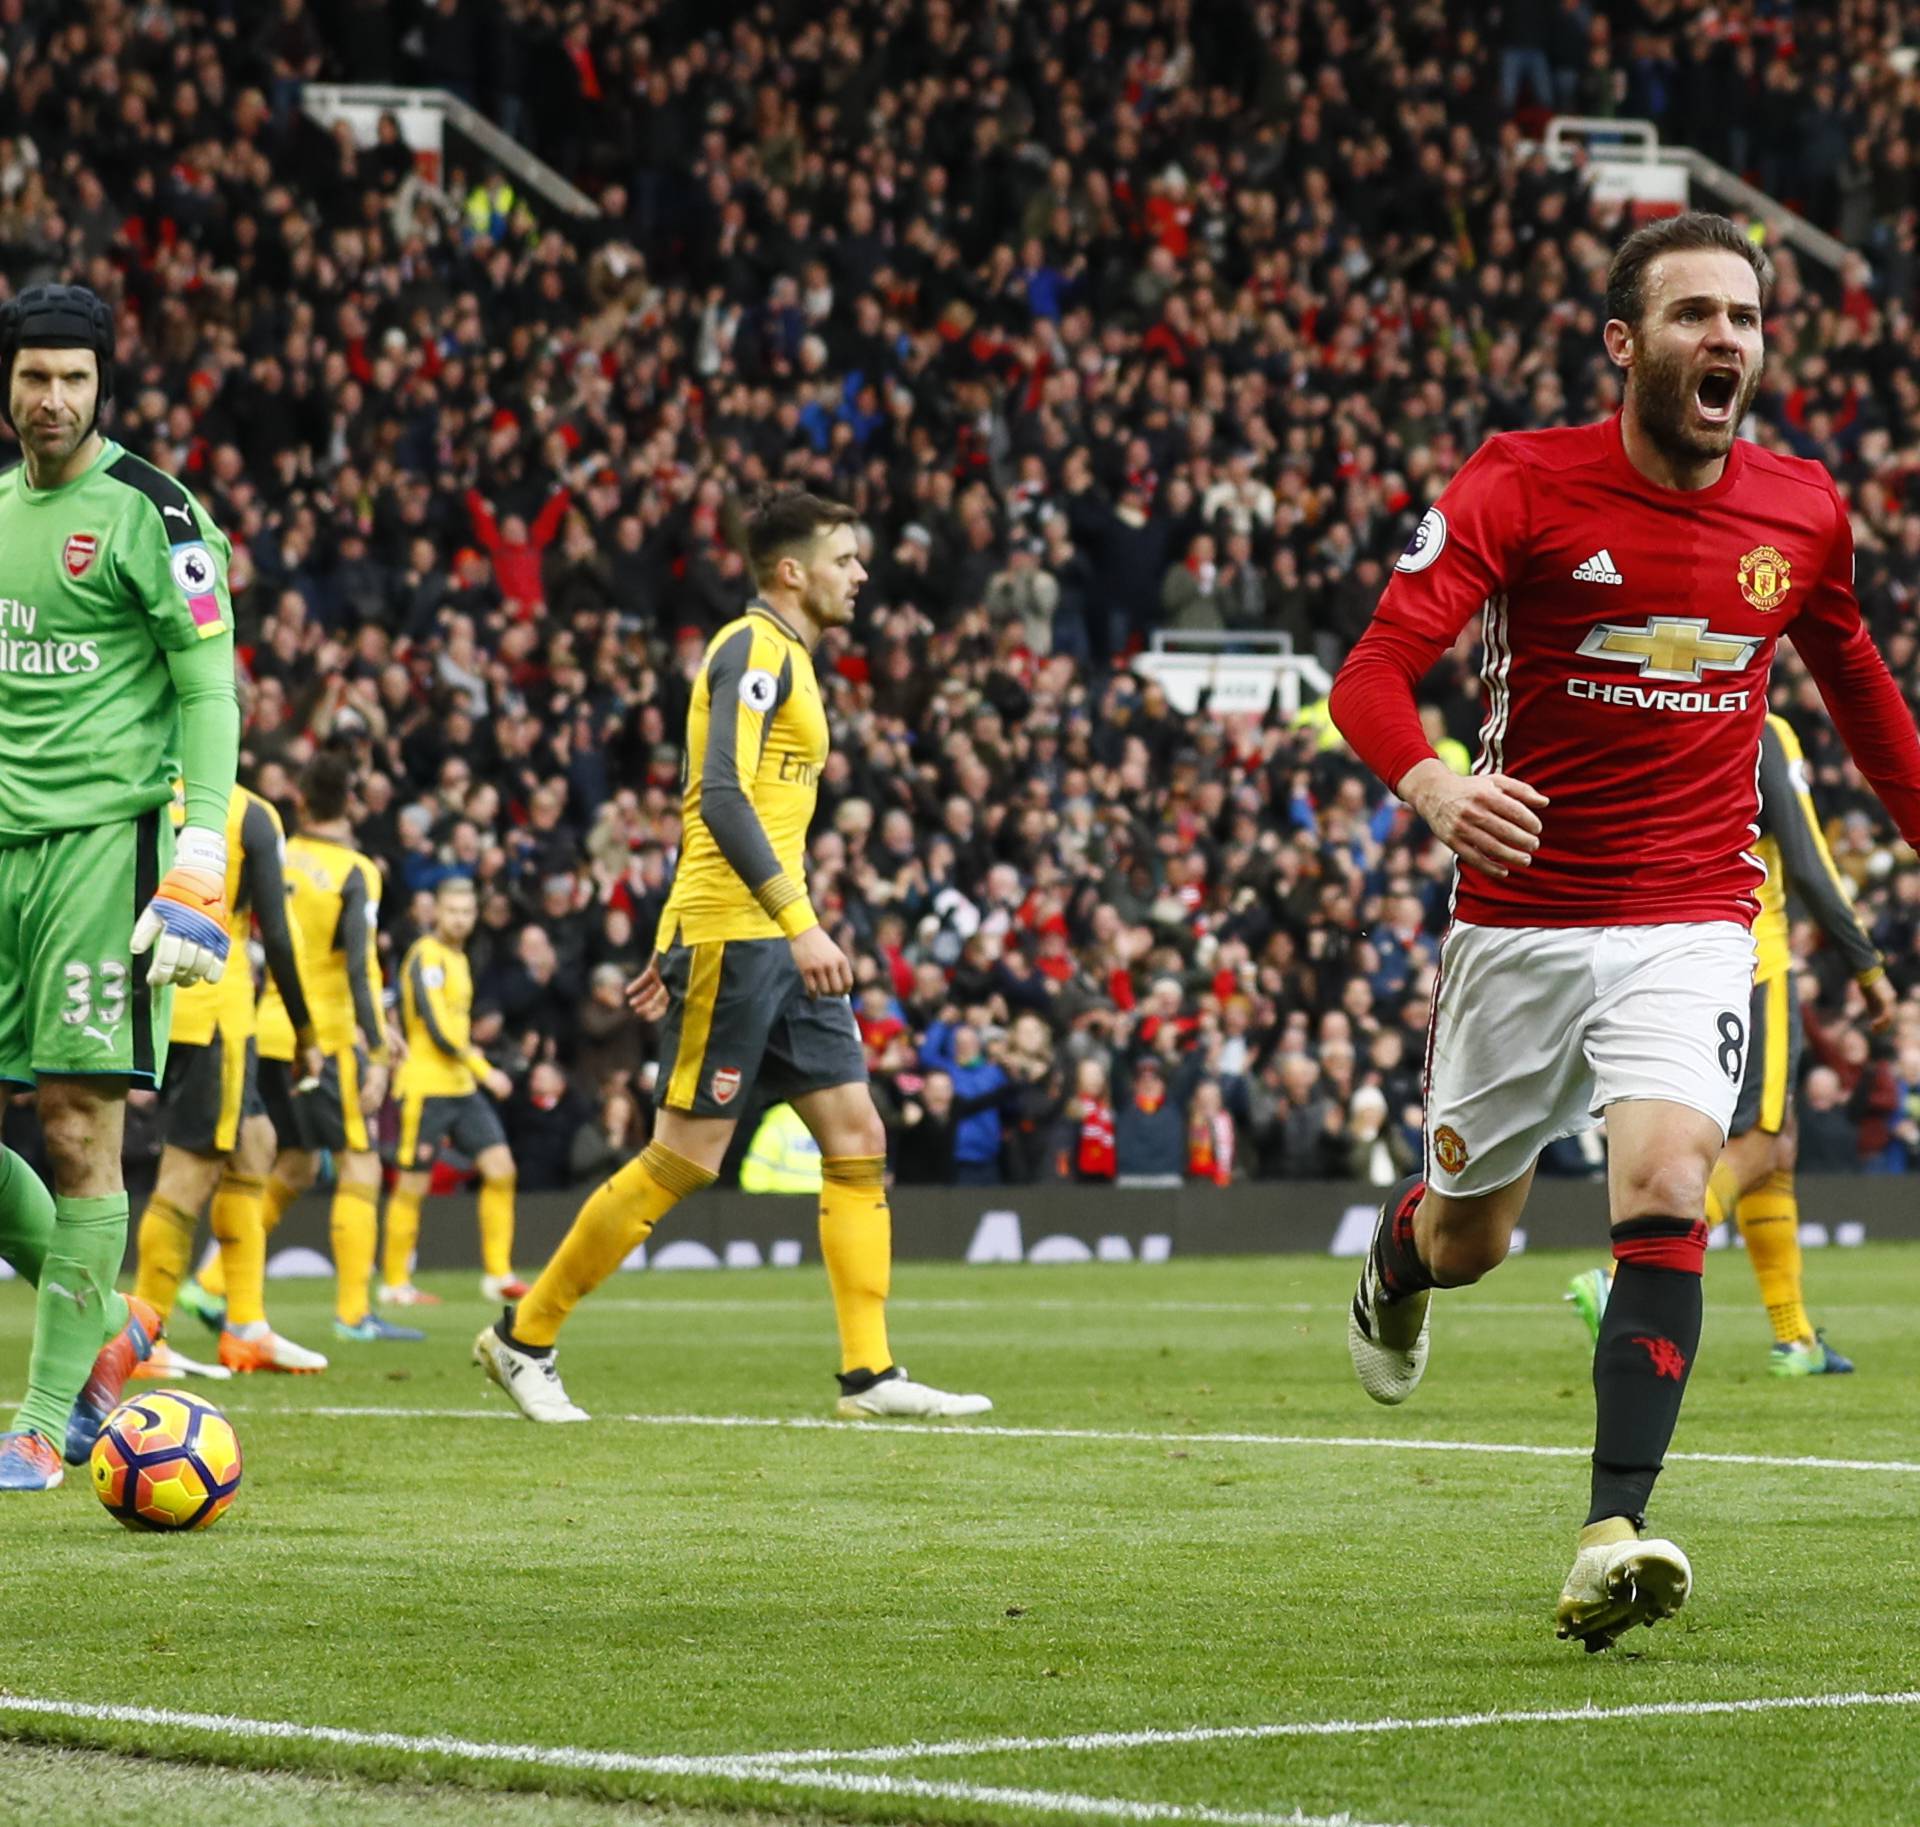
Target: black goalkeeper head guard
{"points": [[56, 317]]}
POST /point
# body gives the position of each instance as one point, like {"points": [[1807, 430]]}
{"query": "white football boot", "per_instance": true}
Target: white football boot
{"points": [[894, 1395], [1387, 1339], [244, 1352], [166, 1362], [533, 1382], [1619, 1580], [405, 1294]]}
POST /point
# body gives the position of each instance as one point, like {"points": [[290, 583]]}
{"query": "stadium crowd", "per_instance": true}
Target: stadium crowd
{"points": [[1109, 318]]}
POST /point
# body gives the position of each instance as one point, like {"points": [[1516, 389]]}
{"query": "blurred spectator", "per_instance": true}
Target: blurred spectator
{"points": [[610, 1137], [607, 1042], [1378, 1151], [1210, 1136], [1091, 1146], [925, 1121], [1150, 1127], [953, 1048], [543, 1117], [1829, 1138]]}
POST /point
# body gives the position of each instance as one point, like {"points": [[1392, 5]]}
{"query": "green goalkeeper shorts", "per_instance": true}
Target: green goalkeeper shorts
{"points": [[73, 998]]}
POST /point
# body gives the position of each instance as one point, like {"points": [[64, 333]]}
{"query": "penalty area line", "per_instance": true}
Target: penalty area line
{"points": [[743, 1769], [1042, 1801], [1346, 1728], [1118, 1436]]}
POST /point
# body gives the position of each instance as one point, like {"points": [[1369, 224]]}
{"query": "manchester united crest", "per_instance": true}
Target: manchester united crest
{"points": [[79, 553], [1765, 578], [1448, 1149]]}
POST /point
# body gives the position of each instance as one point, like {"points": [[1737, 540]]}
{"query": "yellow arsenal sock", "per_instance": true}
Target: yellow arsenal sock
{"points": [[856, 1238], [1770, 1223], [166, 1251], [403, 1234], [279, 1196], [496, 1225], [240, 1230], [620, 1214], [273, 1207], [356, 1229], [1723, 1193]]}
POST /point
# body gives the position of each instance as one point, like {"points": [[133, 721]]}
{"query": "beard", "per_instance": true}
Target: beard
{"points": [[825, 607], [1662, 385], [55, 444]]}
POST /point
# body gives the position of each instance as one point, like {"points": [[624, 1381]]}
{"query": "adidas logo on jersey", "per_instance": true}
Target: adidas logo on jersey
{"points": [[1598, 570]]}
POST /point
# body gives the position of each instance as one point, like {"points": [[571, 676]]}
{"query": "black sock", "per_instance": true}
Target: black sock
{"points": [[507, 1315], [1647, 1344], [1396, 1260]]}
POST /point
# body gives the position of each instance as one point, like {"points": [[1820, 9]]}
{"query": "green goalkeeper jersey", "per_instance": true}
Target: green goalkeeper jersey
{"points": [[100, 580]]}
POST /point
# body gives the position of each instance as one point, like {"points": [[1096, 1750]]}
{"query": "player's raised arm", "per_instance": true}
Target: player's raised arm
{"points": [[1457, 565], [1787, 816], [741, 699]]}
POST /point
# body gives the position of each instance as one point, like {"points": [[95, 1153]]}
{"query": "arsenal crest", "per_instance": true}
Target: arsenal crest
{"points": [[81, 550], [726, 1081], [1448, 1149], [1765, 578]]}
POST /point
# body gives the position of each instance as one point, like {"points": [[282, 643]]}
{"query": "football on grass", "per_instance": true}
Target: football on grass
{"points": [[168, 1460]]}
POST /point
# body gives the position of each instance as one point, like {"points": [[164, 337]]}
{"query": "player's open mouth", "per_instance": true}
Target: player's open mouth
{"points": [[1718, 389]]}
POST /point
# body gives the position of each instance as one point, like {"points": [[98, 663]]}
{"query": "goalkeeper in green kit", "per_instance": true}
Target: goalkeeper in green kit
{"points": [[116, 679]]}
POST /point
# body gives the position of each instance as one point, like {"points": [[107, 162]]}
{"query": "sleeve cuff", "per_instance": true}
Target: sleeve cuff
{"points": [[784, 901]]}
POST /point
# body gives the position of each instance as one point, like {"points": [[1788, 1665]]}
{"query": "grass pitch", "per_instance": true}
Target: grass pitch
{"points": [[1185, 1571]]}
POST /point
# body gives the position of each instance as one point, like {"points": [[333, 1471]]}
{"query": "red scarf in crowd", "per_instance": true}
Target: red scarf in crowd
{"points": [[1210, 1148], [1095, 1158]]}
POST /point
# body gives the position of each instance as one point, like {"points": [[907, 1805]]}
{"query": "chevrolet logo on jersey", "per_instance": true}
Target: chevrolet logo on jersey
{"points": [[1675, 647]]}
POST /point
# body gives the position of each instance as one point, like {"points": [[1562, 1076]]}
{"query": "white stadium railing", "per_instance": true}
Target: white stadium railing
{"points": [[1628, 154], [1234, 671]]}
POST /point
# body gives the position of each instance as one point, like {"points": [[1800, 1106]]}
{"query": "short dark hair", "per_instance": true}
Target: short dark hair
{"points": [[324, 783], [783, 522], [1693, 231]]}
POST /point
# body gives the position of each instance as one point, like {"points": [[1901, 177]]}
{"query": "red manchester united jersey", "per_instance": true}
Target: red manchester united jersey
{"points": [[1628, 631]]}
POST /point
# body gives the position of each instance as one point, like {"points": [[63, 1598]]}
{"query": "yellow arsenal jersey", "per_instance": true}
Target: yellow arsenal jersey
{"points": [[1799, 864], [756, 742], [256, 886], [436, 1006], [336, 909]]}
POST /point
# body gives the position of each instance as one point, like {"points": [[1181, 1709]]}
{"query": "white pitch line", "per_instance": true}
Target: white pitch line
{"points": [[557, 1757], [799, 1304], [739, 1769], [1045, 1801], [1342, 1728], [786, 1304], [810, 1769], [1350, 1442]]}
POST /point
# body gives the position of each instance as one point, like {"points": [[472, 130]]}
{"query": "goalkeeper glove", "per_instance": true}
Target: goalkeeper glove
{"points": [[188, 915]]}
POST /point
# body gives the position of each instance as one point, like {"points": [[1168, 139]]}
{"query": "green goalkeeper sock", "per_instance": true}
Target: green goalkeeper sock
{"points": [[77, 1309], [26, 1217]]}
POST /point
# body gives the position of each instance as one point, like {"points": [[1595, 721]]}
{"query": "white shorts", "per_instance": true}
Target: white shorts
{"points": [[1537, 1029]]}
